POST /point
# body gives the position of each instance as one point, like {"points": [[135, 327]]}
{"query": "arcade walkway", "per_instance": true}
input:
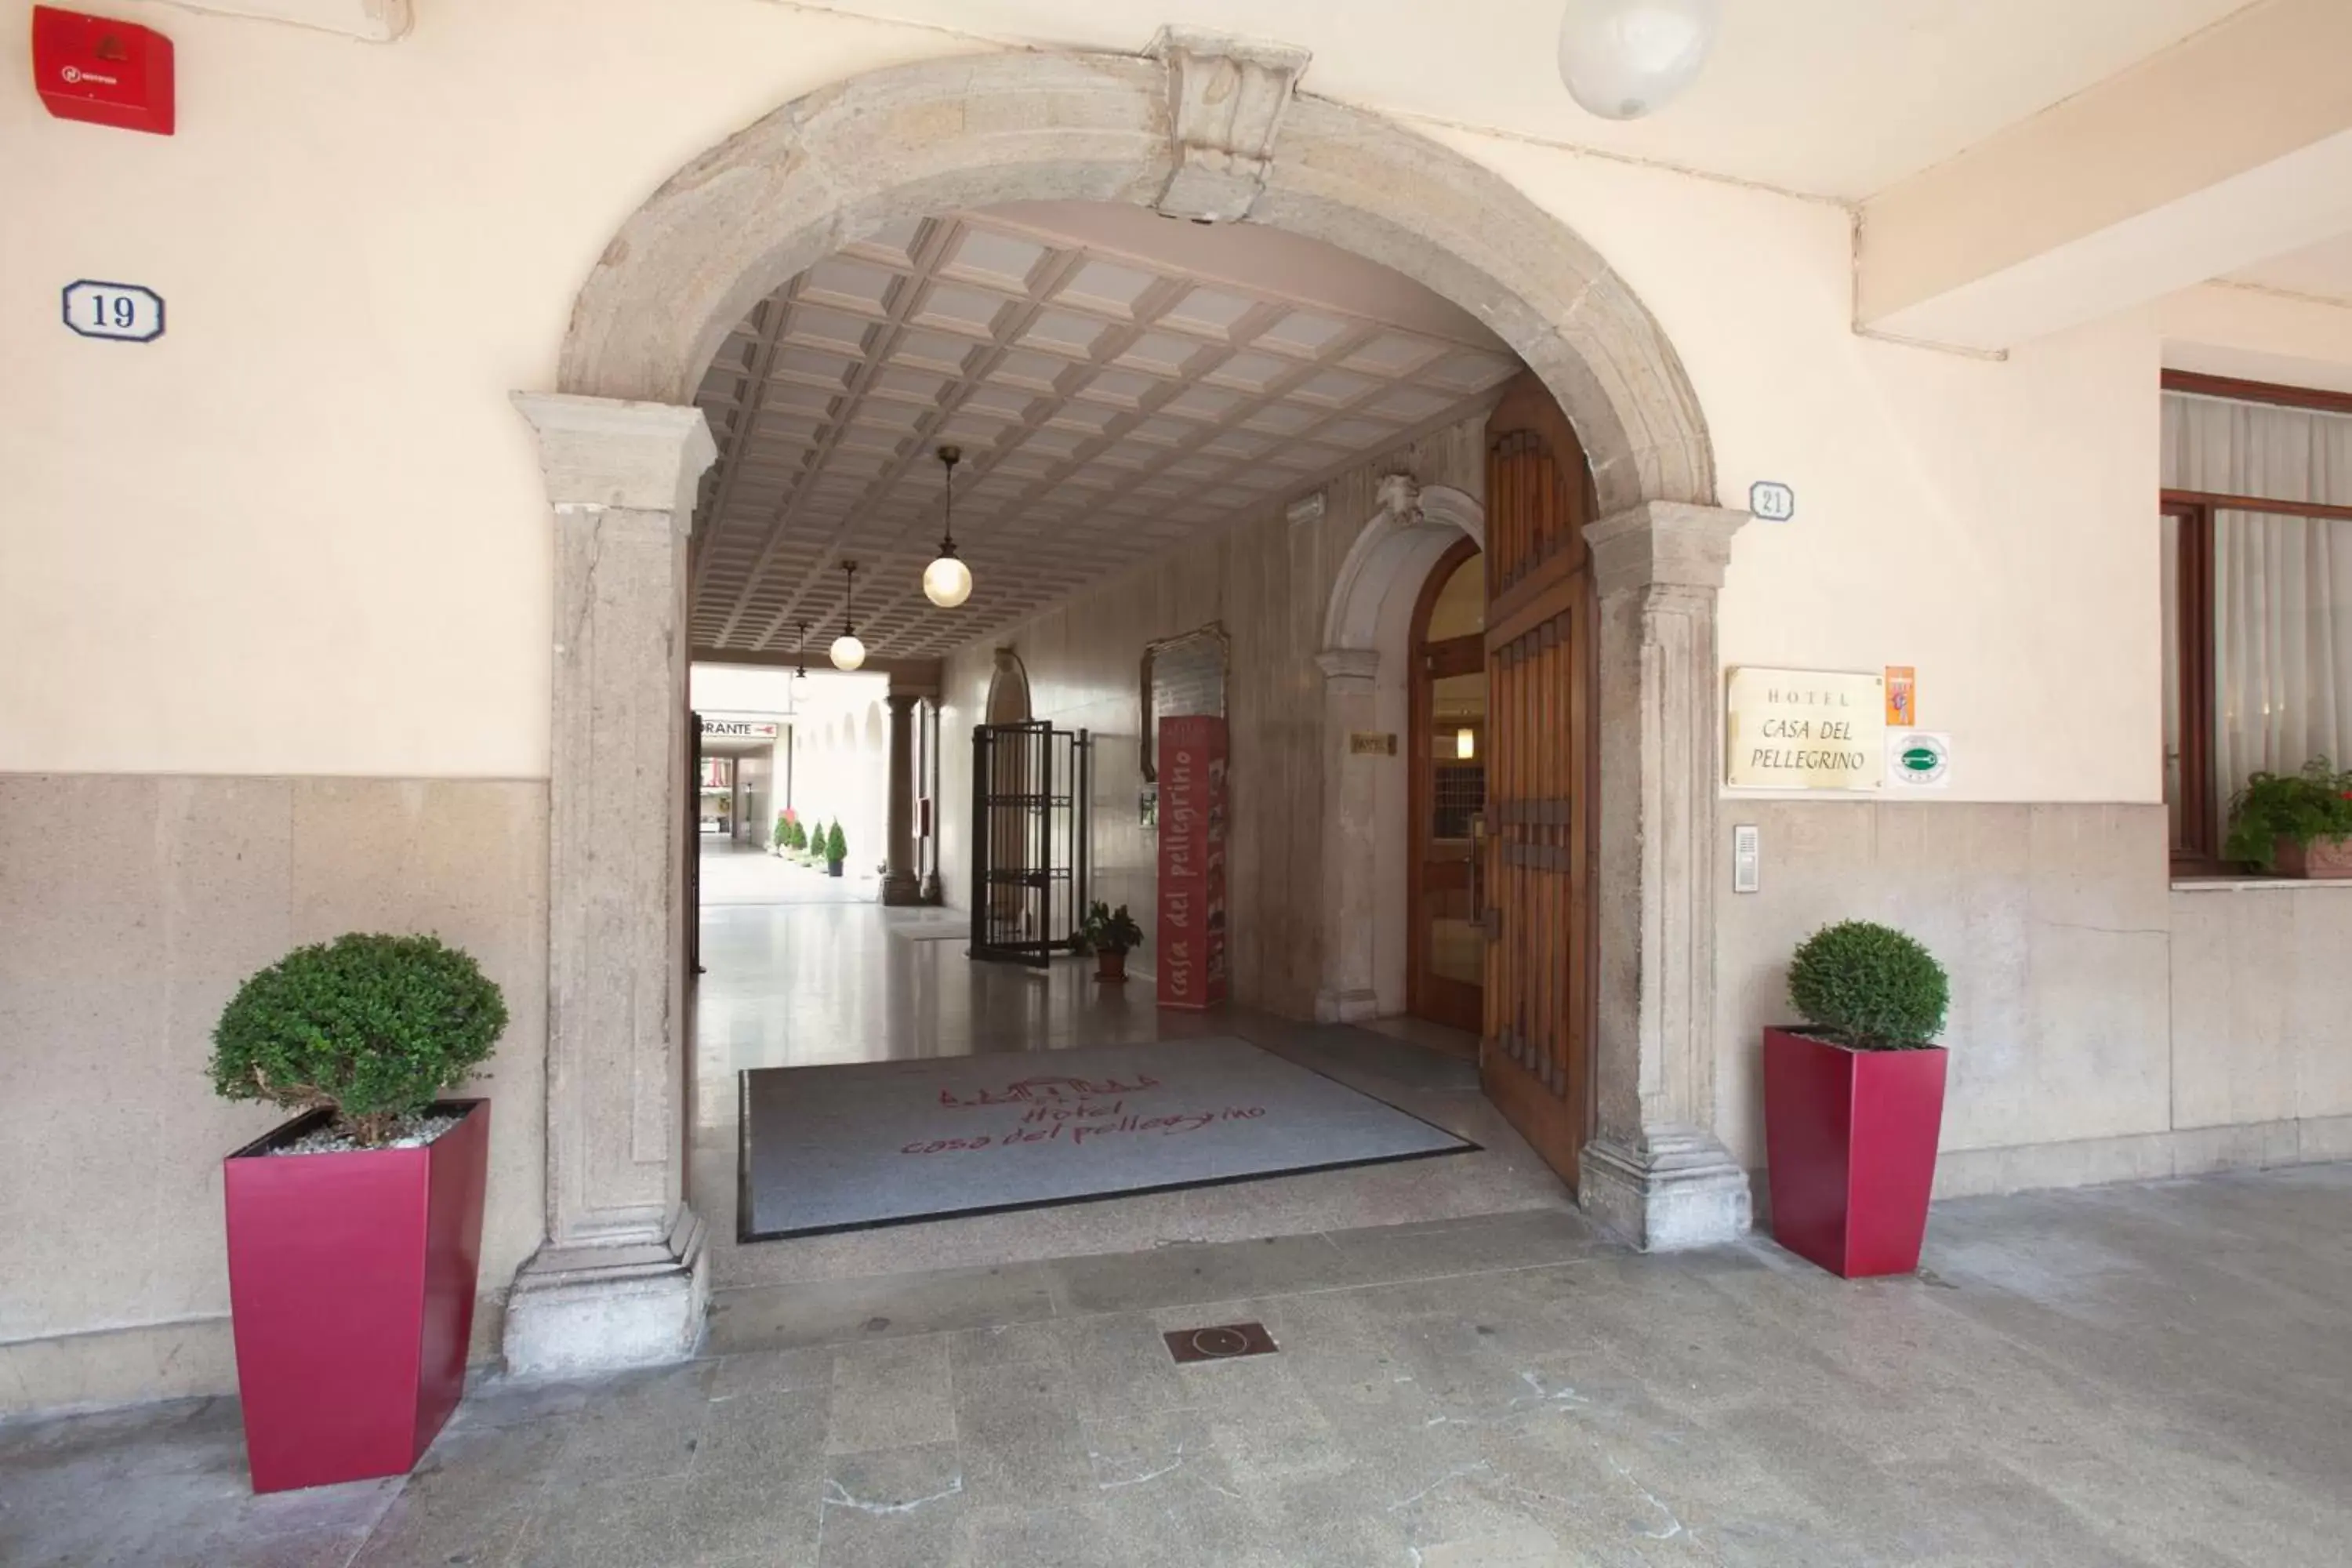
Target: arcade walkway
{"points": [[2149, 1374]]}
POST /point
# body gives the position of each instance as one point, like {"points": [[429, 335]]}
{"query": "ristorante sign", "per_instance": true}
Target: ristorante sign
{"points": [[739, 728], [1804, 729]]}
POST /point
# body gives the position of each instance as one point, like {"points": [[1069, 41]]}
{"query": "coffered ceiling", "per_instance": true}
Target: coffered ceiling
{"points": [[1118, 383]]}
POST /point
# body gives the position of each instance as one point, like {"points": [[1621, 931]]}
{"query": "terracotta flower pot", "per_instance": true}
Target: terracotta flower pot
{"points": [[1851, 1136], [352, 1280], [2322, 860], [1110, 964]]}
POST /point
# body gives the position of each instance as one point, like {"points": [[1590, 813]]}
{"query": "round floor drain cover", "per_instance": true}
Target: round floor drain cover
{"points": [[1222, 1342]]}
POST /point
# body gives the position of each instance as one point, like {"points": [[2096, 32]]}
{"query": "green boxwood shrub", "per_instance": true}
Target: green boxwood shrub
{"points": [[1869, 986], [376, 1026], [836, 848]]}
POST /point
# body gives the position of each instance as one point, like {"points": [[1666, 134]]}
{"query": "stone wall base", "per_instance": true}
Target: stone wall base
{"points": [[579, 1311], [188, 1358], [1681, 1189], [1346, 1007]]}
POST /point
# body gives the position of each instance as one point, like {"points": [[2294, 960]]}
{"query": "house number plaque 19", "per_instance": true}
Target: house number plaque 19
{"points": [[127, 312]]}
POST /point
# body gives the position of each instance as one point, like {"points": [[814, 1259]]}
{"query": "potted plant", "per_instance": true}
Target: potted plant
{"points": [[1110, 934], [355, 1229], [837, 850], [1853, 1099], [795, 839], [783, 837], [2298, 825], [815, 851]]}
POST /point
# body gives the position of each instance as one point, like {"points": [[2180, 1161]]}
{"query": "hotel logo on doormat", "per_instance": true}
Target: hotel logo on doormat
{"points": [[1072, 1113]]}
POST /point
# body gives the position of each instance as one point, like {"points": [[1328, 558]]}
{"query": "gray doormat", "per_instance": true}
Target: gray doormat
{"points": [[849, 1148]]}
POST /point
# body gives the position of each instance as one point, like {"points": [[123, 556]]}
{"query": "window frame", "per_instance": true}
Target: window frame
{"points": [[2196, 848]]}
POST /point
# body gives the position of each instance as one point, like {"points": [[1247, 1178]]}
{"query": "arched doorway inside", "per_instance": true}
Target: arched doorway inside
{"points": [[1449, 745], [623, 455]]}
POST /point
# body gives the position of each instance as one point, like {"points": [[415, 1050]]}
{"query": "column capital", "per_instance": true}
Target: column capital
{"points": [[902, 702], [1662, 544], [602, 453], [1349, 663]]}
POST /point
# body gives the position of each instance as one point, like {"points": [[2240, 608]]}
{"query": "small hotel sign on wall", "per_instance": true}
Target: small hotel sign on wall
{"points": [[1804, 729]]}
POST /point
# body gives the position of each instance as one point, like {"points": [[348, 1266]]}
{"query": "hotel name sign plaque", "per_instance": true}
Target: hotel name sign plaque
{"points": [[1804, 729]]}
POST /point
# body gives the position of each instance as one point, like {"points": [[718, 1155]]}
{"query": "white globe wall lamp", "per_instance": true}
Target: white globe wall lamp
{"points": [[1624, 58]]}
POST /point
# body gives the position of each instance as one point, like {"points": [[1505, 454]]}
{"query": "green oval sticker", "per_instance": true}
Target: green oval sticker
{"points": [[1920, 759]]}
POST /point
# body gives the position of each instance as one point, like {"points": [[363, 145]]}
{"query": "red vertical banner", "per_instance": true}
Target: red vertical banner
{"points": [[1191, 757]]}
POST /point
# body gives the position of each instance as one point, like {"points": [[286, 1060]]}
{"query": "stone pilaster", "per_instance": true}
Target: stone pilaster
{"points": [[1653, 1170], [622, 1279], [1349, 900], [899, 885]]}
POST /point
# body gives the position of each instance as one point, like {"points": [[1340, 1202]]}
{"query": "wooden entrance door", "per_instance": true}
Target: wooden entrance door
{"points": [[1536, 1048], [1445, 972]]}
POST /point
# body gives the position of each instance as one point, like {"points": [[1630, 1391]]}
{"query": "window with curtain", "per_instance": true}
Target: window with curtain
{"points": [[2256, 520]]}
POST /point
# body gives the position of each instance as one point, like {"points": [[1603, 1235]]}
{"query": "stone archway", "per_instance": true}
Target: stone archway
{"points": [[1364, 639], [1199, 127]]}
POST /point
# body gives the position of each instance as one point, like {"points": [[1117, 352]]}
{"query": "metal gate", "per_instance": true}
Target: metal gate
{"points": [[1030, 788]]}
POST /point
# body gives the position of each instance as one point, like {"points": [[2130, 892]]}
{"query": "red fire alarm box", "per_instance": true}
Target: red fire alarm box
{"points": [[101, 70]]}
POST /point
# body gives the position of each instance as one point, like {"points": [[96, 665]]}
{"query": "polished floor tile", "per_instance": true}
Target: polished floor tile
{"points": [[796, 978]]}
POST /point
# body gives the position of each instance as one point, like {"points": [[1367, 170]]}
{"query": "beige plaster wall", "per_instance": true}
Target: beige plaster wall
{"points": [[1269, 583], [334, 514], [2104, 1026], [133, 907]]}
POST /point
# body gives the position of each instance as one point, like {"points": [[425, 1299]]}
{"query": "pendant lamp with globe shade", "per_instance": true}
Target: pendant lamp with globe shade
{"points": [[848, 653], [947, 580], [1624, 58]]}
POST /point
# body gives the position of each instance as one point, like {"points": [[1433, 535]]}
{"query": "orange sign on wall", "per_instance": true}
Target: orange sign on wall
{"points": [[1901, 696]]}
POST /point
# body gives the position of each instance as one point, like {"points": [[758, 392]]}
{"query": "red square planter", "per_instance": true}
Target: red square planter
{"points": [[1851, 1136], [350, 1280]]}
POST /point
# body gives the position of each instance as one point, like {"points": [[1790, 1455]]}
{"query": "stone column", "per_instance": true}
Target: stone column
{"points": [[930, 712], [899, 885], [1653, 1170], [1350, 852], [622, 1278]]}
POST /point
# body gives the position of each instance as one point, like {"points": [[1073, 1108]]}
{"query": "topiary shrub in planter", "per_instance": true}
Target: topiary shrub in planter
{"points": [[354, 1230], [1853, 1099], [2298, 825], [837, 850]]}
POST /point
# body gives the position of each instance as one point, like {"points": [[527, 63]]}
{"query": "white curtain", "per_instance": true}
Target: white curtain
{"points": [[2282, 643], [2282, 583]]}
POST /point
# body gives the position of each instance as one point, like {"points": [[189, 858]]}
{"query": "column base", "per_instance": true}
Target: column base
{"points": [[1345, 1007], [575, 1310], [1680, 1188], [930, 893], [900, 887]]}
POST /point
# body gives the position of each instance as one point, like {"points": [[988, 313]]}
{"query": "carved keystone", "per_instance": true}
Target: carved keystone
{"points": [[1226, 97]]}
